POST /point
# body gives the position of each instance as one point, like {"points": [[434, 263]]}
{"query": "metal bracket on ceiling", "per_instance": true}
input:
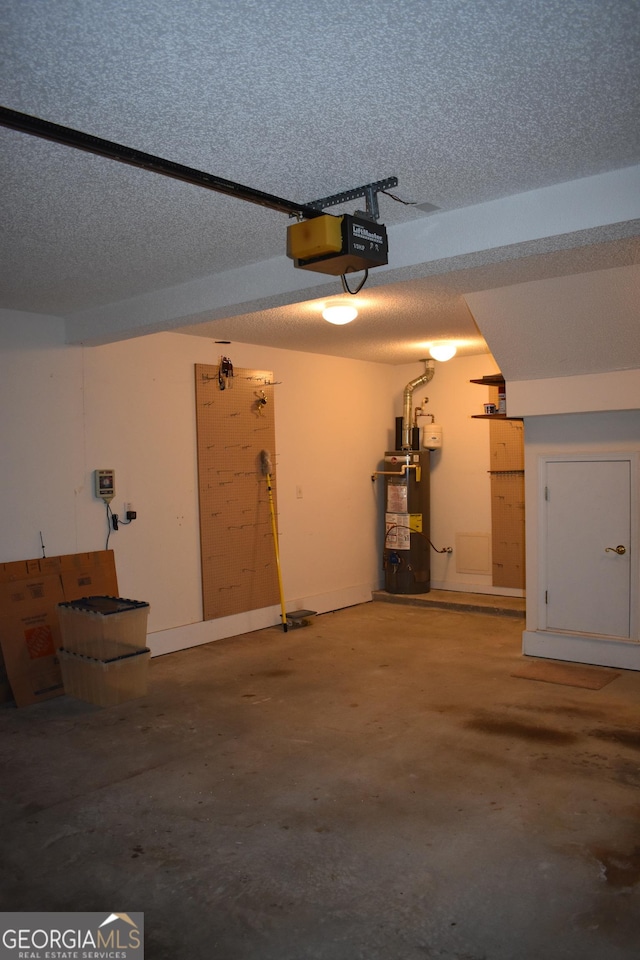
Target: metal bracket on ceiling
{"points": [[369, 192]]}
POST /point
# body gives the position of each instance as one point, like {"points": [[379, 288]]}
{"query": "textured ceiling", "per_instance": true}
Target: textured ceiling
{"points": [[465, 102], [437, 308]]}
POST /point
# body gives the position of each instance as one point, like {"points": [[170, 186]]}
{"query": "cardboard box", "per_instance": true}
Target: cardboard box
{"points": [[88, 575], [30, 591], [30, 637], [19, 570], [5, 687]]}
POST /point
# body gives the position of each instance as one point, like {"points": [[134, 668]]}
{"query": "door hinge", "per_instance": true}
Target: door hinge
{"points": [[546, 596], [546, 493]]}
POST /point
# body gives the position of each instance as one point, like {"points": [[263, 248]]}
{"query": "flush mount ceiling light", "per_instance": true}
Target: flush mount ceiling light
{"points": [[443, 351], [339, 314]]}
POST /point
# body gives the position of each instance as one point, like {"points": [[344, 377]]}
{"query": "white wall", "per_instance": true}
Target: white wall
{"points": [[67, 410], [581, 394], [575, 324], [41, 437], [460, 482]]}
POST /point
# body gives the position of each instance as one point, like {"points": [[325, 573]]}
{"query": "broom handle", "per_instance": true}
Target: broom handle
{"points": [[275, 544]]}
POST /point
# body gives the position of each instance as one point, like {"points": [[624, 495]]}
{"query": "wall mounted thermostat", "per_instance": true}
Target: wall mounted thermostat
{"points": [[105, 484]]}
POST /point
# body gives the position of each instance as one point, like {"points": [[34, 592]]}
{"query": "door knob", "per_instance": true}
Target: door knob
{"points": [[619, 549]]}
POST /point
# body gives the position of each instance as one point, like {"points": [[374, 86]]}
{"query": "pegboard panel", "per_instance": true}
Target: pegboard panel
{"points": [[234, 424], [507, 503], [506, 439], [507, 529]]}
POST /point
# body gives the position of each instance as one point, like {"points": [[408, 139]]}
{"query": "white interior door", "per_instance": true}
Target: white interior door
{"points": [[588, 546]]}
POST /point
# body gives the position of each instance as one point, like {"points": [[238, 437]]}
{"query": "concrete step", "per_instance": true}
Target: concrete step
{"points": [[453, 600]]}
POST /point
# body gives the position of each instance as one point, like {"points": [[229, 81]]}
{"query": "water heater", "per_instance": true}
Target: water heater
{"points": [[406, 545]]}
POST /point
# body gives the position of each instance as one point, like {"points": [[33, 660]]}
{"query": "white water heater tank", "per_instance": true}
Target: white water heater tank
{"points": [[431, 434]]}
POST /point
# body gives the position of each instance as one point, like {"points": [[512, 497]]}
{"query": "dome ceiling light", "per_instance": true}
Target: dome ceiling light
{"points": [[443, 351], [340, 314]]}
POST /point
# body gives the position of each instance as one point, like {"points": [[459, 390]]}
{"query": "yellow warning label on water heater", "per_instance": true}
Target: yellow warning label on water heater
{"points": [[415, 522]]}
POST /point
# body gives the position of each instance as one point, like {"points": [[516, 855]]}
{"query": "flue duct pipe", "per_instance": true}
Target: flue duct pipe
{"points": [[426, 377]]}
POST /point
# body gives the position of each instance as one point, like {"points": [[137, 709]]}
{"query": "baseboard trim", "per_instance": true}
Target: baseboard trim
{"points": [[578, 648], [477, 588], [206, 631]]}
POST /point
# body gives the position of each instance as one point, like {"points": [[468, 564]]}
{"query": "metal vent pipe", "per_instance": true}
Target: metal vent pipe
{"points": [[426, 377]]}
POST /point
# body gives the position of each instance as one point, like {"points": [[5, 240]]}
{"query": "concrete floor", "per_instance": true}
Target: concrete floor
{"points": [[376, 786]]}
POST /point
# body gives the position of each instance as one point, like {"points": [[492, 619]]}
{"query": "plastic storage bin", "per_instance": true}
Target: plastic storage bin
{"points": [[104, 656], [91, 625], [105, 683]]}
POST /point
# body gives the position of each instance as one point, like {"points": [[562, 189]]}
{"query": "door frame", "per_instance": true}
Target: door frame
{"points": [[629, 456]]}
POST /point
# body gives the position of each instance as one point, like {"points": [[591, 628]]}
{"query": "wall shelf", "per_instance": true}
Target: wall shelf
{"points": [[492, 380], [492, 416]]}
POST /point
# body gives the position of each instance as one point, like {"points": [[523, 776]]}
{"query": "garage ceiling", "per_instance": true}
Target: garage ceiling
{"points": [[517, 121]]}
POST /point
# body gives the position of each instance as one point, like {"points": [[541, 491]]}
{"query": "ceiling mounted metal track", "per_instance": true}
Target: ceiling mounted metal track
{"points": [[146, 161]]}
